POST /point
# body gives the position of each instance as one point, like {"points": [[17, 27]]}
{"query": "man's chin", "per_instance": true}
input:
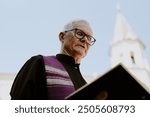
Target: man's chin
{"points": [[82, 55]]}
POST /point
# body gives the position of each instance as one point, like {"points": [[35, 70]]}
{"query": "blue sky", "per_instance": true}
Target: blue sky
{"points": [[31, 27]]}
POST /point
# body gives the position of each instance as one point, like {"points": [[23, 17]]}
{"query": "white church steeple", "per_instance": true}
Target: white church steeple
{"points": [[126, 48]]}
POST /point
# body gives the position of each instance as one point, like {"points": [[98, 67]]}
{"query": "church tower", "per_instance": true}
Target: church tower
{"points": [[127, 49]]}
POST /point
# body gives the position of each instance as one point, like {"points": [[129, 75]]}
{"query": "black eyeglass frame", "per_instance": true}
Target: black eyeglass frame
{"points": [[88, 36]]}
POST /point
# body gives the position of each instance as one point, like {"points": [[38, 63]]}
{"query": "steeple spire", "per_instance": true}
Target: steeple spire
{"points": [[122, 29], [118, 6]]}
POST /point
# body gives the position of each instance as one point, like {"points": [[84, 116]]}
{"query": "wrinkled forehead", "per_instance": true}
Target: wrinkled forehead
{"points": [[85, 28], [80, 24]]}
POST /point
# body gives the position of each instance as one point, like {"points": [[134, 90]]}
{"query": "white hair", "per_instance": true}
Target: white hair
{"points": [[72, 24]]}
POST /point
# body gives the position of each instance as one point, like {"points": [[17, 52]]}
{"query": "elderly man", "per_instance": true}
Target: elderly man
{"points": [[55, 77]]}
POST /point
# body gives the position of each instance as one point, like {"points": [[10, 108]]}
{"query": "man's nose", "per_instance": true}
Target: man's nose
{"points": [[84, 39]]}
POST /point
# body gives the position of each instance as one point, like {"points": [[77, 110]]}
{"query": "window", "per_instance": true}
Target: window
{"points": [[132, 58]]}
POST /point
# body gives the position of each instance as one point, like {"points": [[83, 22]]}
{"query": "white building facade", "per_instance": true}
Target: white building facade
{"points": [[6, 80]]}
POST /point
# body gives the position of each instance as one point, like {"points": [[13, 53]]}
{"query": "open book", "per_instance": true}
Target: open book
{"points": [[116, 84]]}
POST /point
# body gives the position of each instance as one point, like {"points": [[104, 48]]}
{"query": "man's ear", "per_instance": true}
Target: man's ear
{"points": [[61, 36]]}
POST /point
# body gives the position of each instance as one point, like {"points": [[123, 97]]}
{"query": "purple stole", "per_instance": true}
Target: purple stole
{"points": [[58, 80]]}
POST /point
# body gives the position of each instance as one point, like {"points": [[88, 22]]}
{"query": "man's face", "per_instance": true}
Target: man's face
{"points": [[74, 46]]}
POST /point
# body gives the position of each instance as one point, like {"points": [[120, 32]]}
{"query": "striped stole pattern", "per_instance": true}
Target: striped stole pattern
{"points": [[59, 83]]}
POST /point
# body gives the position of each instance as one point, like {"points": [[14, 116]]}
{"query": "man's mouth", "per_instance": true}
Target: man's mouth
{"points": [[81, 46]]}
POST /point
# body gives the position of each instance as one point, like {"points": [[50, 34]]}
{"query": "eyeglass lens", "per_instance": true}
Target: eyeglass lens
{"points": [[80, 34]]}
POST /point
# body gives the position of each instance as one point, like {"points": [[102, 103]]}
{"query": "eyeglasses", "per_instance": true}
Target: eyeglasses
{"points": [[80, 35]]}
